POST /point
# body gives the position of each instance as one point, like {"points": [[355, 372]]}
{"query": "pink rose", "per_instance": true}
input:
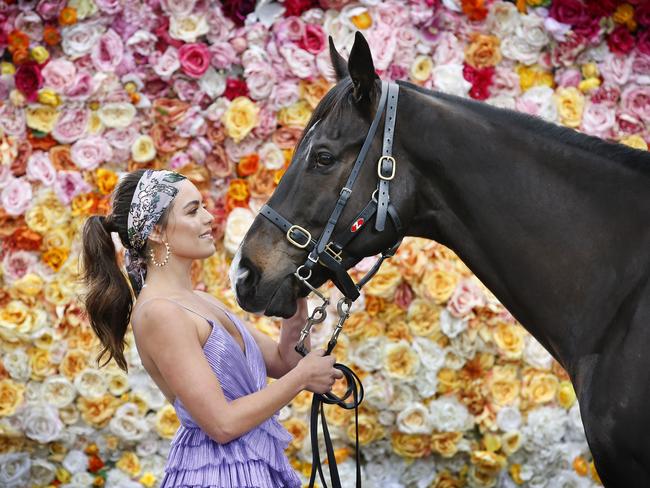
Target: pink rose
{"points": [[636, 100], [69, 184], [59, 74], [627, 124], [404, 295], [39, 168], [313, 40], [260, 80], [142, 42], [30, 23], [566, 53], [267, 124], [194, 59], [394, 14], [641, 68], [188, 90], [12, 120], [290, 29], [122, 138], [178, 160], [643, 42], [110, 7], [301, 63], [568, 77], [607, 95], [16, 196], [90, 152], [165, 64], [598, 120], [505, 82], [82, 86], [466, 296], [284, 93], [192, 124], [17, 264], [198, 149], [448, 50], [107, 54], [616, 69], [571, 12], [223, 55], [71, 125], [50, 9]]}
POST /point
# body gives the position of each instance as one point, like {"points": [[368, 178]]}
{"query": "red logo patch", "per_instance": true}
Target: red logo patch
{"points": [[357, 225]]}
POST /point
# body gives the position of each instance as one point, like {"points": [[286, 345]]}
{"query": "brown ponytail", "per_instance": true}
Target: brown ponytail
{"points": [[109, 298]]}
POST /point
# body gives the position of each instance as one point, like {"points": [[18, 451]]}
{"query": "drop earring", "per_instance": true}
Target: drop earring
{"points": [[164, 262]]}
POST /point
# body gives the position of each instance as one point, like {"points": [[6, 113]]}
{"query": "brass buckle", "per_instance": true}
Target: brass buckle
{"points": [[394, 164], [333, 253], [296, 243]]}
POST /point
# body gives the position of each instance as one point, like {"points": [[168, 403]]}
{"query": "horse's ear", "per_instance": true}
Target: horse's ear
{"points": [[340, 66], [361, 68]]}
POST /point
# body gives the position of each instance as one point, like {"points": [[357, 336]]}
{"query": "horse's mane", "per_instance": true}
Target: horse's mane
{"points": [[634, 158]]}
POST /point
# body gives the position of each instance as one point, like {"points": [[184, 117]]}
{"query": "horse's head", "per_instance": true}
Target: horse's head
{"points": [[262, 270]]}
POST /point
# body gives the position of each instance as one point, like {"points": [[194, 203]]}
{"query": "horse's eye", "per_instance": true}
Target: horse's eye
{"points": [[324, 159]]}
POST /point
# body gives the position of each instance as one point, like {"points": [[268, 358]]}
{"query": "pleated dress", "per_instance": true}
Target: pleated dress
{"points": [[257, 459]]}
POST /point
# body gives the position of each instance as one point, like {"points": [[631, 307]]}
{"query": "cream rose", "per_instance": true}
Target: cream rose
{"points": [[237, 224], [143, 149]]}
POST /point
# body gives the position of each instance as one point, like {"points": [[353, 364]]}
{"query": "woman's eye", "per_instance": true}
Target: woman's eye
{"points": [[196, 209], [324, 159]]}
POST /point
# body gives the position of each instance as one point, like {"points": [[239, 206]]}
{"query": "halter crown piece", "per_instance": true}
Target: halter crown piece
{"points": [[329, 253], [155, 191]]}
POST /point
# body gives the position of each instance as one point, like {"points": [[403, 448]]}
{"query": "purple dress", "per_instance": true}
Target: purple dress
{"points": [[257, 459]]}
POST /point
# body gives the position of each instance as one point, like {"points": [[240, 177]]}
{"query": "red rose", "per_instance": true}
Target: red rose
{"points": [[237, 10], [313, 40], [28, 79], [620, 41], [194, 58], [601, 8], [235, 88], [481, 79], [162, 33], [643, 42], [571, 12], [642, 14], [297, 7]]}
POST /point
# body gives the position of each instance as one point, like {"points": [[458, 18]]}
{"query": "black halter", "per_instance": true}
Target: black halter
{"points": [[330, 254]]}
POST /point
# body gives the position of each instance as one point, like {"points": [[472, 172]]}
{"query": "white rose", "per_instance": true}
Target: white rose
{"points": [[90, 383], [300, 62], [545, 427], [536, 355], [340, 31], [451, 326], [532, 31], [449, 78], [237, 224], [118, 382], [449, 415], [414, 419], [142, 41], [426, 382], [378, 391], [431, 354], [260, 83], [188, 28], [418, 473], [518, 49], [42, 423], [509, 419], [15, 469], [75, 461], [42, 472], [58, 391], [598, 119], [502, 101], [143, 149], [369, 354], [178, 8], [616, 69], [117, 114], [213, 83], [503, 18], [538, 100], [79, 39], [271, 156], [569, 479], [128, 424], [17, 364], [165, 64], [81, 480]]}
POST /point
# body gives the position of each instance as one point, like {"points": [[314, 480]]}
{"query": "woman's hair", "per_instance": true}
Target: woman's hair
{"points": [[108, 299]]}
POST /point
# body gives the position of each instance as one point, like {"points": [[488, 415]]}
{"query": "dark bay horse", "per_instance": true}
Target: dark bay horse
{"points": [[555, 223]]}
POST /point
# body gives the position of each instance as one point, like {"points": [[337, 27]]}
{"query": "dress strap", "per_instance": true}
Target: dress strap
{"points": [[177, 303]]}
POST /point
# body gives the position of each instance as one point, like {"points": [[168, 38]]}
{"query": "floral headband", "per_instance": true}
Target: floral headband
{"points": [[155, 191]]}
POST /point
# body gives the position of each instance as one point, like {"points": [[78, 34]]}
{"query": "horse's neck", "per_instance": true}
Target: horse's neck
{"points": [[559, 235]]}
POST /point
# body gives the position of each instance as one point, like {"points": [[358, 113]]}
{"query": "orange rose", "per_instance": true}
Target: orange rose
{"points": [[165, 138], [17, 40], [411, 445], [474, 9], [61, 159], [84, 204], [9, 223], [41, 143], [262, 184], [483, 51], [25, 239], [216, 134], [278, 174], [238, 189], [218, 163], [313, 92], [55, 257], [248, 165], [168, 111], [231, 203], [68, 16], [105, 179], [286, 137], [51, 35]]}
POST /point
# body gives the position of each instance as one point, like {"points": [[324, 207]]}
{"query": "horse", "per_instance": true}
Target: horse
{"points": [[555, 223]]}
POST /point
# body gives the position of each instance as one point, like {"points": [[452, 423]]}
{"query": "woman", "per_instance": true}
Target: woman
{"points": [[209, 364]]}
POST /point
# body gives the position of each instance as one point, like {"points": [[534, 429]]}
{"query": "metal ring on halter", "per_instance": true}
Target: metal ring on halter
{"points": [[297, 273], [339, 306], [374, 198]]}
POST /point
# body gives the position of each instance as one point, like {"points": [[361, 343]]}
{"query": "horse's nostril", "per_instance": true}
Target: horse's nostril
{"points": [[247, 276]]}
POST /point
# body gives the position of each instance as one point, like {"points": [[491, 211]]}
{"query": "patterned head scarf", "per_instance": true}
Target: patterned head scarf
{"points": [[155, 191]]}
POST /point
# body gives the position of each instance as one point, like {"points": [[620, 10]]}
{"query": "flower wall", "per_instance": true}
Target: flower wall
{"points": [[457, 393]]}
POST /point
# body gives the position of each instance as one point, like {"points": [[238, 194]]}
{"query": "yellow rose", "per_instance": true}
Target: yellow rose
{"points": [[504, 391], [167, 422], [400, 360], [509, 339], [590, 70], [355, 325], [105, 179], [118, 382], [423, 317], [488, 462], [411, 445], [39, 54], [11, 396], [589, 84], [362, 21], [41, 117], [148, 479], [566, 395], [369, 429], [143, 149], [446, 443], [447, 480], [16, 317], [7, 68], [84, 8], [117, 114], [55, 257], [129, 463], [56, 292], [98, 411], [241, 117], [58, 237], [421, 68], [448, 381], [570, 104], [333, 413], [30, 285], [95, 124], [302, 401], [515, 473], [438, 285], [580, 466], [397, 330], [540, 387], [483, 51], [73, 363], [385, 282], [481, 479], [37, 219], [511, 442], [624, 13], [635, 141], [41, 364], [298, 430], [530, 76], [295, 115], [312, 92], [47, 96]]}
